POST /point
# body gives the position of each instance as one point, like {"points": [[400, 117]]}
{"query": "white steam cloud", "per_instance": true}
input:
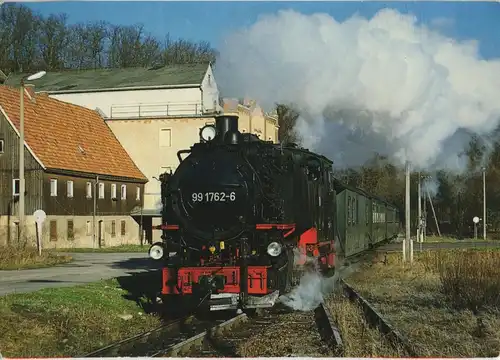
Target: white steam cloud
{"points": [[313, 286], [384, 84]]}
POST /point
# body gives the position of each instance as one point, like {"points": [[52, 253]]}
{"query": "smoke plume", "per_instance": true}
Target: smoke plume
{"points": [[385, 84]]}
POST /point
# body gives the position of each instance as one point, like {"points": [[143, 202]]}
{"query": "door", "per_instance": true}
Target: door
{"points": [[100, 234]]}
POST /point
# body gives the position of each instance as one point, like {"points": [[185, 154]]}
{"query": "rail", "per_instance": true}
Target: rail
{"points": [[185, 345], [328, 329], [169, 339], [121, 347], [376, 320], [151, 110]]}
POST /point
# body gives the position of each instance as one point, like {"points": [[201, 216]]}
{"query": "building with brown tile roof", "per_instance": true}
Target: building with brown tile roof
{"points": [[71, 156]]}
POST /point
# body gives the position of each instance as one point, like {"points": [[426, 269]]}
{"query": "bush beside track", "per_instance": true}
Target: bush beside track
{"points": [[447, 303], [70, 321]]}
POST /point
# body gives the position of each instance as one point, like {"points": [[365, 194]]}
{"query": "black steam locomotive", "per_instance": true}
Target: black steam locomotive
{"points": [[236, 213]]}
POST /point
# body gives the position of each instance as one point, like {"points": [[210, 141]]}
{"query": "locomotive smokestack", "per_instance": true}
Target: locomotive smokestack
{"points": [[227, 128]]}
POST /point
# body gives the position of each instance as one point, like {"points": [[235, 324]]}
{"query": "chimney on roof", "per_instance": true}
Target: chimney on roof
{"points": [[230, 105], [29, 90]]}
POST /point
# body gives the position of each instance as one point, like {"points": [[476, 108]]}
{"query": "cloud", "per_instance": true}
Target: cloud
{"points": [[442, 23], [383, 84]]}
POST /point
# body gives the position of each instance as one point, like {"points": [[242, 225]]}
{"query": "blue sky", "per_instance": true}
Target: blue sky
{"points": [[211, 21]]}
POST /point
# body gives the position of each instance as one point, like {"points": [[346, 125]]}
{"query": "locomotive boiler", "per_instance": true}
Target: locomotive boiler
{"points": [[236, 211]]}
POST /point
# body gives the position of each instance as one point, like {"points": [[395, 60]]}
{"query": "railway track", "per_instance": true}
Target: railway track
{"points": [[163, 339], [225, 344], [213, 338]]}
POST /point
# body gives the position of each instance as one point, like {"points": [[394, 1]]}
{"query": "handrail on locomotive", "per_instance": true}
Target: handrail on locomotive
{"points": [[237, 209]]}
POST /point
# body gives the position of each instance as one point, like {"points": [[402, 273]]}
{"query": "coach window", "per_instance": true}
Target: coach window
{"points": [[367, 212], [353, 211], [348, 210], [357, 210]]}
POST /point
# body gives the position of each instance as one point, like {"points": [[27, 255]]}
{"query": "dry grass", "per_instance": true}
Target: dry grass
{"points": [[112, 249], [68, 321], [449, 239], [446, 303], [16, 258], [359, 339]]}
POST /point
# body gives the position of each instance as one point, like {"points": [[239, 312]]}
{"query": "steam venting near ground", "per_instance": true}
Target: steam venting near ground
{"points": [[385, 84], [313, 286]]}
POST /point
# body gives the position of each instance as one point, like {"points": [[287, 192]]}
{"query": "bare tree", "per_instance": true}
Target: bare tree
{"points": [[287, 118], [20, 26], [88, 45], [186, 52], [54, 38]]}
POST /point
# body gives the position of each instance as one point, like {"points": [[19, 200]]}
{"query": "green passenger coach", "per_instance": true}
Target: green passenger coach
{"points": [[363, 220]]}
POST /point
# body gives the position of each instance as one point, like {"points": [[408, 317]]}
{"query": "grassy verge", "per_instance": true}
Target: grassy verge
{"points": [[448, 239], [359, 339], [69, 321], [447, 303], [111, 249], [17, 258]]}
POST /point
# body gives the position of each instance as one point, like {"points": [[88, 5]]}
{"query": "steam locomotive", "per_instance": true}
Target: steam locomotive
{"points": [[237, 211]]}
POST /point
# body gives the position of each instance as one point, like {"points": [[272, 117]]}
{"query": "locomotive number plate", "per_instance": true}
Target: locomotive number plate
{"points": [[217, 196]]}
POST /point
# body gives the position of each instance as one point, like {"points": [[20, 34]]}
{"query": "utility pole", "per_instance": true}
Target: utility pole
{"points": [[484, 203], [94, 229], [407, 242], [425, 215], [21, 163], [419, 226], [434, 213], [22, 186]]}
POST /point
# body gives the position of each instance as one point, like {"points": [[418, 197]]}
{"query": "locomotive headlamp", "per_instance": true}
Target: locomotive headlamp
{"points": [[274, 249], [156, 251], [208, 132]]}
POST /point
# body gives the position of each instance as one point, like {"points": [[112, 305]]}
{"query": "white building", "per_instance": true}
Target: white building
{"points": [[154, 113]]}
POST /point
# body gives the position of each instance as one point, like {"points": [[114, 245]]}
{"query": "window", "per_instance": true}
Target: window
{"points": [[138, 193], [71, 233], [16, 185], [348, 210], [113, 228], [89, 228], [209, 79], [123, 227], [101, 190], [113, 191], [53, 230], [2, 146], [89, 190], [123, 192], [53, 187], [69, 188], [165, 137], [367, 212]]}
